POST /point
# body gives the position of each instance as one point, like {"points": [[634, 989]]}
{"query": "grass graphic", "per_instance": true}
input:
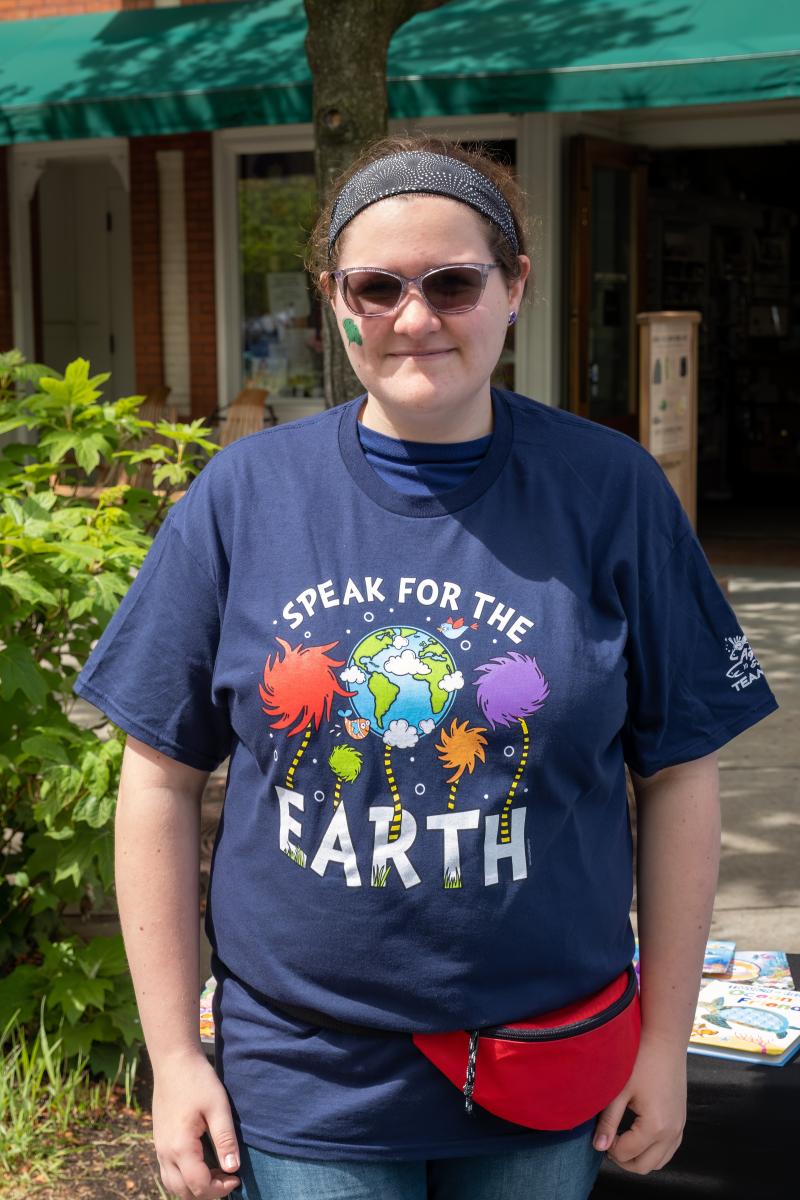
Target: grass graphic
{"points": [[295, 854], [452, 878], [379, 877]]}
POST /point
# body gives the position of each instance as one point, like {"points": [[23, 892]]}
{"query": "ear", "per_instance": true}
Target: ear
{"points": [[516, 289], [327, 285]]}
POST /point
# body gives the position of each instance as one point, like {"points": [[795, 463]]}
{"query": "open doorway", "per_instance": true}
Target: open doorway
{"points": [[723, 237]]}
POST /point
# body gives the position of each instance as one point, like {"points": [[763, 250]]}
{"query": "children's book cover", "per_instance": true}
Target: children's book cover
{"points": [[718, 957], [747, 1022], [717, 960], [767, 968]]}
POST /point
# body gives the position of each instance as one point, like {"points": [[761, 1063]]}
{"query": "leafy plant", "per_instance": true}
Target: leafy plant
{"points": [[69, 548]]}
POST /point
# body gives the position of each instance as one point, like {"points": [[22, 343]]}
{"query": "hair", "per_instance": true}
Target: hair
{"points": [[319, 259]]}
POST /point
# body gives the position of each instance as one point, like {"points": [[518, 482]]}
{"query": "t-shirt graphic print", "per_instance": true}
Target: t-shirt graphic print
{"points": [[394, 698]]}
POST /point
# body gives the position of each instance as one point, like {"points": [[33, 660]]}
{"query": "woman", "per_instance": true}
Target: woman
{"points": [[429, 627]]}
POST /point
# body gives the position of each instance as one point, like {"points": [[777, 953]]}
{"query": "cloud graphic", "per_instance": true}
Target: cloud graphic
{"points": [[427, 725], [406, 663], [352, 675], [400, 641], [400, 733], [452, 683]]}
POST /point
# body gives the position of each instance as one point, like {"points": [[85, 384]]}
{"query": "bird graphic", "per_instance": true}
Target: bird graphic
{"points": [[453, 629]]}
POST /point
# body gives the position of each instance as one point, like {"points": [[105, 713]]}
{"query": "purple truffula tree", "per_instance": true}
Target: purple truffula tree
{"points": [[511, 688]]}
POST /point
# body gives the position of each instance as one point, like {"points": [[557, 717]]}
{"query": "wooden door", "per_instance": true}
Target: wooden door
{"points": [[608, 189]]}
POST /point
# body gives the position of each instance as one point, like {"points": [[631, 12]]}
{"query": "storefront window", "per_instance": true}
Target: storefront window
{"points": [[280, 337]]}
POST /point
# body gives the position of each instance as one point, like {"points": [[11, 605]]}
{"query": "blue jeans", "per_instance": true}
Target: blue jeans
{"points": [[563, 1170]]}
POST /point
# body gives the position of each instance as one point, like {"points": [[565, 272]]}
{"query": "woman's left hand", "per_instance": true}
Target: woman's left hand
{"points": [[656, 1093]]}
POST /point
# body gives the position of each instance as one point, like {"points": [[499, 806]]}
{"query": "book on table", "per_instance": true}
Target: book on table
{"points": [[747, 1022]]}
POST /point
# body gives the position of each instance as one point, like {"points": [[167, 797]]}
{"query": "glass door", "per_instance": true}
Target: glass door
{"points": [[608, 192]]}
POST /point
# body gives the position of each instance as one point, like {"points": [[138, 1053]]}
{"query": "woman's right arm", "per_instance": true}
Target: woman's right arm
{"points": [[157, 882]]}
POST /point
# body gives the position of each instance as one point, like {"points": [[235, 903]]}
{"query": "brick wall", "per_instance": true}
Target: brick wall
{"points": [[6, 322], [198, 182], [22, 10], [146, 265]]}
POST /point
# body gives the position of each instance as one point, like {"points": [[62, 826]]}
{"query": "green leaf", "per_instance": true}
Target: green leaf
{"points": [[104, 956], [90, 449], [19, 992], [47, 748], [95, 811], [12, 423], [60, 785], [23, 584], [73, 992], [19, 673], [59, 443]]}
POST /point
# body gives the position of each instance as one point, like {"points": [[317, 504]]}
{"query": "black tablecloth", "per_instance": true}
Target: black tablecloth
{"points": [[742, 1136]]}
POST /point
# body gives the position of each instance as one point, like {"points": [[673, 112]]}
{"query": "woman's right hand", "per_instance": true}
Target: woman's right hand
{"points": [[188, 1101]]}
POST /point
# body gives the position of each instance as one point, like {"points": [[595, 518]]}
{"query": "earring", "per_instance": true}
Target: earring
{"points": [[512, 316]]}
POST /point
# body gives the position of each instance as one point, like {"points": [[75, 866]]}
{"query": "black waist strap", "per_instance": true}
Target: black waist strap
{"points": [[311, 1017]]}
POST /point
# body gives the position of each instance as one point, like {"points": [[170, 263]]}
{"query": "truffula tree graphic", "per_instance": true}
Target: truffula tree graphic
{"points": [[403, 735], [459, 749], [345, 762], [300, 688], [511, 689]]}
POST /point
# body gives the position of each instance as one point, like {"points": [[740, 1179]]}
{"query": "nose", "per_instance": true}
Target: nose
{"points": [[414, 318]]}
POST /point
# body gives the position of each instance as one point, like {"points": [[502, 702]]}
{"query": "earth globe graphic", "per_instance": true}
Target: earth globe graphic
{"points": [[404, 674]]}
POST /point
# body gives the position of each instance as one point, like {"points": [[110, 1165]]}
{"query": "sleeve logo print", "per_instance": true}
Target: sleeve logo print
{"points": [[745, 667]]}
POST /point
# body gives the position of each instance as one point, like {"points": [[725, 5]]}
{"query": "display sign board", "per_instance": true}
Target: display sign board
{"points": [[668, 397]]}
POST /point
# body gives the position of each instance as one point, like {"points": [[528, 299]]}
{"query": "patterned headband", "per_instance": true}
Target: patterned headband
{"points": [[413, 171]]}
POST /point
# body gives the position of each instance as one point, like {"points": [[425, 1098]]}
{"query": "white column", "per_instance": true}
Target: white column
{"points": [[539, 349]]}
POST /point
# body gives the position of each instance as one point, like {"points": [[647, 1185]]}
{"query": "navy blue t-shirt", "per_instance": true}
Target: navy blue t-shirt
{"points": [[428, 702]]}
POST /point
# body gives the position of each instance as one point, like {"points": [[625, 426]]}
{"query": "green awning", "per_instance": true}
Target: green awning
{"points": [[211, 66]]}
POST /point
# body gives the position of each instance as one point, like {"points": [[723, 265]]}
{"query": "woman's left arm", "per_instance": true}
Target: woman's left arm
{"points": [[678, 834]]}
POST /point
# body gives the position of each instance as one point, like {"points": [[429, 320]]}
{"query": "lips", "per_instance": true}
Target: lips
{"points": [[420, 353]]}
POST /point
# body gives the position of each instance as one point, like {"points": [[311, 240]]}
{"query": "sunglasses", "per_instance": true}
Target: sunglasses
{"points": [[373, 292]]}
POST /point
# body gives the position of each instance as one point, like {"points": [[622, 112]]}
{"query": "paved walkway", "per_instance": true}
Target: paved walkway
{"points": [[758, 898]]}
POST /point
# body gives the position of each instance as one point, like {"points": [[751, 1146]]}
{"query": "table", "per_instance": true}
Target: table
{"points": [[741, 1139]]}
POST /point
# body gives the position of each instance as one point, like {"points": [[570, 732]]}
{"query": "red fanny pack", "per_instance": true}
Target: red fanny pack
{"points": [[553, 1071]]}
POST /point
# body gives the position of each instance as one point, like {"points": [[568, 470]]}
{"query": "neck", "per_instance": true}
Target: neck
{"points": [[423, 425]]}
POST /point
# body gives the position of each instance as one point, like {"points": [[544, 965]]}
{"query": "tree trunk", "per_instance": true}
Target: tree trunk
{"points": [[347, 46]]}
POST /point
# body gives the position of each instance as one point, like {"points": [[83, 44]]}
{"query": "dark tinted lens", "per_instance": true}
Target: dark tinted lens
{"points": [[453, 289], [369, 292]]}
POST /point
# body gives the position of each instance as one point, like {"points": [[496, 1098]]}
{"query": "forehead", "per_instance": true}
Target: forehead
{"points": [[414, 232]]}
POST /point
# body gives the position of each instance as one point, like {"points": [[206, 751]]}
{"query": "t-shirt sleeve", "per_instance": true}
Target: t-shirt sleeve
{"points": [[694, 682], [152, 671]]}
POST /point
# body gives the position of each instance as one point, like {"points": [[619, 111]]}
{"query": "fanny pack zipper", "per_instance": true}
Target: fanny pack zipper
{"points": [[509, 1034]]}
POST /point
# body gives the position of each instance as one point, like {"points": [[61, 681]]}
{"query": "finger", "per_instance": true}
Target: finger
{"points": [[640, 1150], [220, 1128], [173, 1183], [202, 1183], [608, 1122], [653, 1158], [633, 1141]]}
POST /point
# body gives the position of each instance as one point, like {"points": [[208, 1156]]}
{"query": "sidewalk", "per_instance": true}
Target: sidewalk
{"points": [[758, 897]]}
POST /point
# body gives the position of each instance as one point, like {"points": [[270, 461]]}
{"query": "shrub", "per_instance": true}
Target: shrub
{"points": [[68, 551]]}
